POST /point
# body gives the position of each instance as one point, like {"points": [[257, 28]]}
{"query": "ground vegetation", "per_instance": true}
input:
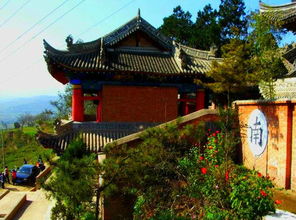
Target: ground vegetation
{"points": [[188, 173]]}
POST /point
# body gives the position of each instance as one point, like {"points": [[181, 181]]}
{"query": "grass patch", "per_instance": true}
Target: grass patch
{"points": [[15, 157], [26, 130], [20, 144], [30, 130]]}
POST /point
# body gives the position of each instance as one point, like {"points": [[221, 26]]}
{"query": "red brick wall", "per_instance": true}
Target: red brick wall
{"points": [[275, 159], [139, 104]]}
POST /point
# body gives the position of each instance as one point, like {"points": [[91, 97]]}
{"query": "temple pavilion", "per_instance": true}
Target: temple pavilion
{"points": [[285, 87], [134, 76]]}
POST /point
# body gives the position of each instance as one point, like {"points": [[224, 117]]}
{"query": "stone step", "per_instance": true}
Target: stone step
{"points": [[10, 204], [3, 192], [36, 207]]}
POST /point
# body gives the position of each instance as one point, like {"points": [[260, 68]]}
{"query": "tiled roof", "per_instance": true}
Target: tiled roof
{"points": [[100, 56], [95, 135], [285, 13], [132, 60], [290, 55]]}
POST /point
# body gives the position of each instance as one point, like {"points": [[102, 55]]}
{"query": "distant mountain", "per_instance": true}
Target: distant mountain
{"points": [[11, 108]]}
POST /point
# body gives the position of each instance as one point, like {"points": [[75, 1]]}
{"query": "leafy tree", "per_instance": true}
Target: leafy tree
{"points": [[211, 28], [248, 62], [178, 26], [235, 74], [16, 125], [45, 115], [26, 119], [63, 104], [232, 16], [205, 32], [267, 56], [73, 182]]}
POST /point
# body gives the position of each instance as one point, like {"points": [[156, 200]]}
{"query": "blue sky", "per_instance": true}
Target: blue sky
{"points": [[22, 68]]}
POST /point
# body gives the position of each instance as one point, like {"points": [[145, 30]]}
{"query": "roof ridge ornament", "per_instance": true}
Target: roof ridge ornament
{"points": [[69, 41], [139, 13]]}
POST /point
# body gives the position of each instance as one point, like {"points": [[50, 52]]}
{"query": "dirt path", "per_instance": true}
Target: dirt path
{"points": [[288, 199]]}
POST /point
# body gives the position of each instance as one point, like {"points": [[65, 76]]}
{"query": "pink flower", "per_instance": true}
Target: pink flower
{"points": [[203, 170]]}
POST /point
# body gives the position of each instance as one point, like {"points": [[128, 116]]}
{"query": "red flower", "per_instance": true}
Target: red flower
{"points": [[214, 134], [278, 202], [227, 175], [210, 147], [217, 132], [203, 170], [259, 174], [216, 165], [263, 193], [201, 158]]}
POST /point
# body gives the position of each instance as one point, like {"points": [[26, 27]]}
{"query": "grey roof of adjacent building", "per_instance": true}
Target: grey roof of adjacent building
{"points": [[285, 13], [95, 135]]}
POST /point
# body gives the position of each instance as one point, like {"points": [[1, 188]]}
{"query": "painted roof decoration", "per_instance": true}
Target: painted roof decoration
{"points": [[108, 54], [285, 13]]}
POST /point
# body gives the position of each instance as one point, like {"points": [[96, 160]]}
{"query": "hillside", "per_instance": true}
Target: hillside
{"points": [[11, 108]]}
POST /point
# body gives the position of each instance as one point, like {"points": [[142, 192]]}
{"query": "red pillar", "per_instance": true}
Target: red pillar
{"points": [[77, 104], [185, 106], [99, 109], [200, 99], [290, 109]]}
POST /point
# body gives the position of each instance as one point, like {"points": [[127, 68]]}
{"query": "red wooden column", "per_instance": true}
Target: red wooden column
{"points": [[185, 106], [200, 99], [77, 104], [99, 108]]}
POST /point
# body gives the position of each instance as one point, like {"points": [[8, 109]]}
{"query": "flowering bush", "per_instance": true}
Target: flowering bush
{"points": [[187, 174], [226, 190]]}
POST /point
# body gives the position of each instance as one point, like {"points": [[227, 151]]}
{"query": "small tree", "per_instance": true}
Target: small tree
{"points": [[73, 183], [16, 125], [248, 61], [26, 119], [63, 104], [178, 26]]}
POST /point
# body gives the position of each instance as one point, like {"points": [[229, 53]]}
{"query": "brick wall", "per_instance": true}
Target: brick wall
{"points": [[139, 104], [279, 158]]}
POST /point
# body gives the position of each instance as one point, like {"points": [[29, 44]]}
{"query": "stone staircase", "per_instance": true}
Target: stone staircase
{"points": [[10, 204], [24, 205]]}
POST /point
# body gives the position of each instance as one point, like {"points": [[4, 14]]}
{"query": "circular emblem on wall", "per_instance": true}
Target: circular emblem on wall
{"points": [[257, 132]]}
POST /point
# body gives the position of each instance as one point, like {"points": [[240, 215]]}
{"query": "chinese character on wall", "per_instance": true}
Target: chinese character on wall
{"points": [[257, 132]]}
